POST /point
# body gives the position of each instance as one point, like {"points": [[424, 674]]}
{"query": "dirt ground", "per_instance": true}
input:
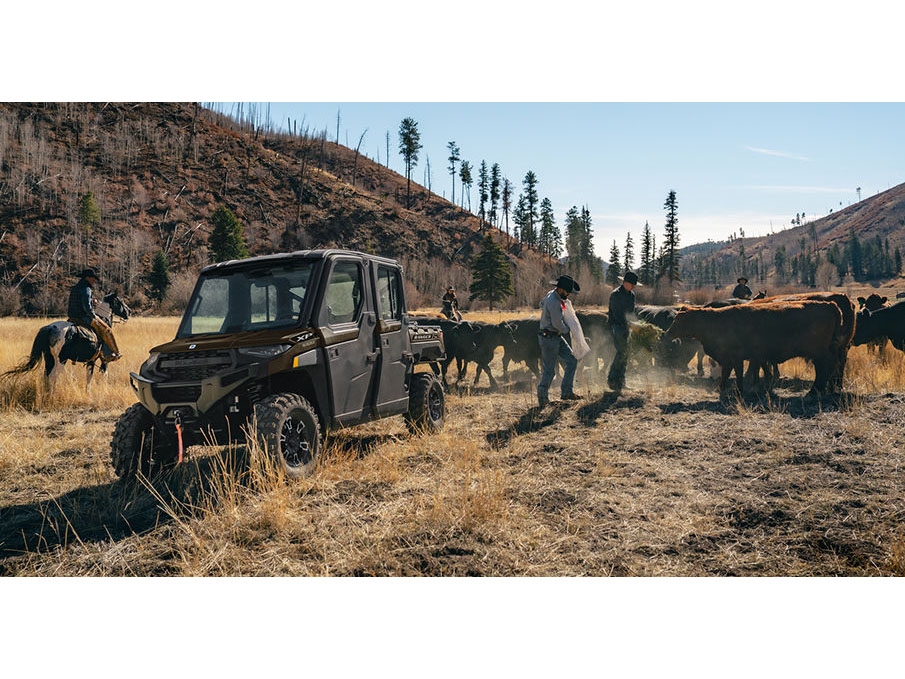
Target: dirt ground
{"points": [[664, 479]]}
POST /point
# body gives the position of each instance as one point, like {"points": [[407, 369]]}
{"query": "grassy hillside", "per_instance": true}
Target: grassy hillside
{"points": [[157, 173]]}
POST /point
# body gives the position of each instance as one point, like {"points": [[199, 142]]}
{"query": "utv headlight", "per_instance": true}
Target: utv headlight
{"points": [[149, 365], [264, 352]]}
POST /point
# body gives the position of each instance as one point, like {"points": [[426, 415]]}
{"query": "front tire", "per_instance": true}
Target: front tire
{"points": [[289, 429], [427, 404], [137, 447]]}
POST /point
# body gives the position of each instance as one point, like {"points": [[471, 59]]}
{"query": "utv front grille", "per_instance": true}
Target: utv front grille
{"points": [[194, 365], [182, 394]]}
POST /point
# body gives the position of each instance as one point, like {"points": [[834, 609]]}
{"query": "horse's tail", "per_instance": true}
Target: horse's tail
{"points": [[41, 346]]}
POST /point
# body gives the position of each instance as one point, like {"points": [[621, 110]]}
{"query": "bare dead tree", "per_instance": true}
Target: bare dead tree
{"points": [[355, 164]]}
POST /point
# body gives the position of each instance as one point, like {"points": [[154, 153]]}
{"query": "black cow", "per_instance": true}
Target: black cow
{"points": [[596, 328], [485, 338], [459, 341], [523, 346], [873, 302], [885, 322]]}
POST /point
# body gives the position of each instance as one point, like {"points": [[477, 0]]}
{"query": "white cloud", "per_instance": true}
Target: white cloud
{"points": [[798, 189], [780, 154]]}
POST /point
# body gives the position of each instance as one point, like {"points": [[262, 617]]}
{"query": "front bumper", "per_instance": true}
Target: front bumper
{"points": [[199, 397]]}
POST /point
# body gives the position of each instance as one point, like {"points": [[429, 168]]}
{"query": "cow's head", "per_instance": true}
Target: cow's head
{"points": [[872, 302]]}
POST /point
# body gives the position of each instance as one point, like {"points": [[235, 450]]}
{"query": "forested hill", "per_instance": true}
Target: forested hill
{"points": [[865, 239], [157, 172]]}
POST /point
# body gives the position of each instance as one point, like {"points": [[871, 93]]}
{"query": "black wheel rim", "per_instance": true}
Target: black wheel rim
{"points": [[435, 403], [295, 443]]}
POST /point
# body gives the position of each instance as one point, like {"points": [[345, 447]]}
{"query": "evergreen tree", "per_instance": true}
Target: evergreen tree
{"points": [[629, 260], [520, 219], [550, 241], [898, 261], [483, 185], [491, 273], [574, 231], [854, 254], [530, 184], [587, 244], [409, 145], [467, 180], [614, 271], [742, 264], [671, 239], [453, 159], [647, 256], [89, 219], [226, 237], [507, 201], [494, 192], [159, 278]]}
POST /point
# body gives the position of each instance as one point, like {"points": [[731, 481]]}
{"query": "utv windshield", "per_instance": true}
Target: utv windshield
{"points": [[249, 299]]}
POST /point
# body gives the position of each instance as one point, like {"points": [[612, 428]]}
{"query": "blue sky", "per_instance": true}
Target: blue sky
{"points": [[732, 165]]}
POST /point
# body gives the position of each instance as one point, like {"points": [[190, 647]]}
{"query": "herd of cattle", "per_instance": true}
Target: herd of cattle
{"points": [[764, 332]]}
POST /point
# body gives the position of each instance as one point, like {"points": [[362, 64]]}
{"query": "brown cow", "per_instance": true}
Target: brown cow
{"points": [[844, 334], [765, 333]]}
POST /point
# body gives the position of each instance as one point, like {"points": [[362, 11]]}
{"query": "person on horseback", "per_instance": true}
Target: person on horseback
{"points": [[451, 305], [81, 311]]}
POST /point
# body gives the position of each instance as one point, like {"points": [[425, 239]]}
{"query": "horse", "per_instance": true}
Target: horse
{"points": [[63, 341]]}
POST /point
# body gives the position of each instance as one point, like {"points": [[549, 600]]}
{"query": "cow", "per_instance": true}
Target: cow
{"points": [[873, 302], [459, 341], [484, 339], [596, 328], [888, 322], [767, 332], [846, 330], [523, 347], [674, 355]]}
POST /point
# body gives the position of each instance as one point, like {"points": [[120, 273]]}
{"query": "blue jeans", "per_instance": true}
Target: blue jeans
{"points": [[552, 350]]}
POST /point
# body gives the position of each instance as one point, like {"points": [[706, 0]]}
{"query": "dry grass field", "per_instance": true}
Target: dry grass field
{"points": [[663, 480]]}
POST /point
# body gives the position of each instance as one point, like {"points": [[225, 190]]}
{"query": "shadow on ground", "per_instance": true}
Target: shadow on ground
{"points": [[805, 406], [533, 420], [589, 413]]}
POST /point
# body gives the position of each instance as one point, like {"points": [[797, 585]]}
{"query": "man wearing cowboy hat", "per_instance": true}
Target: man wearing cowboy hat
{"points": [[622, 303], [451, 304], [742, 291], [81, 311], [553, 345]]}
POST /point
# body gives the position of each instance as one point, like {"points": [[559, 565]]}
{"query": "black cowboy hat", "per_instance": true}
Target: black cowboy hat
{"points": [[567, 283], [631, 277], [90, 273], [742, 279]]}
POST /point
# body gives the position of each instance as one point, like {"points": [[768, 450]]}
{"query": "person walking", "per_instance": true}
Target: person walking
{"points": [[553, 346], [81, 311], [622, 303], [742, 291]]}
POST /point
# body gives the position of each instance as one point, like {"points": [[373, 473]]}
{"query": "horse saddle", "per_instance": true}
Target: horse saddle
{"points": [[81, 345]]}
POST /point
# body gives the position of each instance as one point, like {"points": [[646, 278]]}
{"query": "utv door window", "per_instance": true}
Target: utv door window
{"points": [[342, 302], [389, 293]]}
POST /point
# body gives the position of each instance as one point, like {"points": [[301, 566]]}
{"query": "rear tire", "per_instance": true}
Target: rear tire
{"points": [[427, 404], [136, 445], [289, 429]]}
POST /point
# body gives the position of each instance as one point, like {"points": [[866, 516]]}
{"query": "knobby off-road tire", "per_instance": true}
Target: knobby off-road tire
{"points": [[289, 429], [136, 446], [427, 404]]}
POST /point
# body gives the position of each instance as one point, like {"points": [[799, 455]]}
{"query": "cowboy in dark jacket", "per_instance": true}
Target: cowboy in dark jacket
{"points": [[81, 311], [622, 303], [742, 291]]}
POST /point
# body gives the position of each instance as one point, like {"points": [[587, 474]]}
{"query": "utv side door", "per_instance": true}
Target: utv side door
{"points": [[391, 334], [346, 318]]}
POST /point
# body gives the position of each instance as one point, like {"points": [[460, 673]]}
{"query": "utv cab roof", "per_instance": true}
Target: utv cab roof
{"points": [[285, 257]]}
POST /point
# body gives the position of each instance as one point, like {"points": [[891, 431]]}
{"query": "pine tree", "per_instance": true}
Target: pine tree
{"points": [[574, 233], [550, 241], [898, 261], [507, 201], [614, 271], [647, 255], [409, 145], [671, 239], [519, 219], [159, 278], [530, 184], [494, 192], [483, 185], [587, 244], [467, 180], [226, 240], [453, 159], [491, 273], [89, 218], [629, 253]]}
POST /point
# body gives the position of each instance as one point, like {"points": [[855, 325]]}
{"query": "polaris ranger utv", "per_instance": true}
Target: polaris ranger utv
{"points": [[294, 343]]}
